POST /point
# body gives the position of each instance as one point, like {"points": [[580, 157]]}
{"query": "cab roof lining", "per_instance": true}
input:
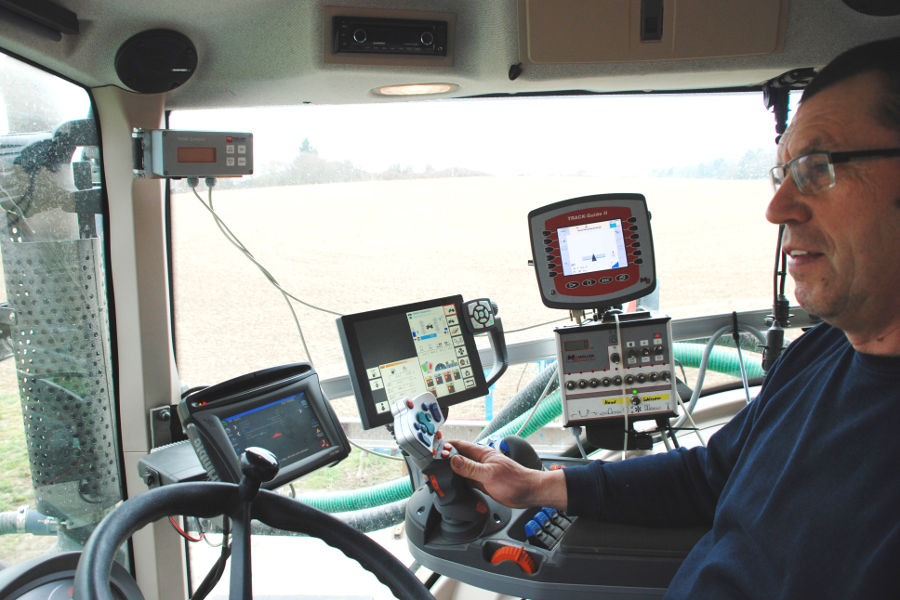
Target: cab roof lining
{"points": [[240, 66]]}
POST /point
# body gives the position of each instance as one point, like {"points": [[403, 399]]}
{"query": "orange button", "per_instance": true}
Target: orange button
{"points": [[516, 554]]}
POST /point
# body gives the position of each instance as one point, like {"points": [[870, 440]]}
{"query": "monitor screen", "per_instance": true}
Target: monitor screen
{"points": [[281, 409], [592, 247], [400, 352], [288, 428]]}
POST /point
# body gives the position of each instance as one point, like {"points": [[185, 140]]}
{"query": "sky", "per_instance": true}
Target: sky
{"points": [[589, 134]]}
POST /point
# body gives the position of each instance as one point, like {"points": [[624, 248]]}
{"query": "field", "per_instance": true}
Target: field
{"points": [[360, 246]]}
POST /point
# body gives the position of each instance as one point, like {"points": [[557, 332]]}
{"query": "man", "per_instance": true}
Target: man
{"points": [[801, 490]]}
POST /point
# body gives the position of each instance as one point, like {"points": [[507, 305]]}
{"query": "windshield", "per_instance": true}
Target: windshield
{"points": [[353, 208], [360, 207]]}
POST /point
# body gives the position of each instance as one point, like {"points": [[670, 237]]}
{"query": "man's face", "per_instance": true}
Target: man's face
{"points": [[843, 244]]}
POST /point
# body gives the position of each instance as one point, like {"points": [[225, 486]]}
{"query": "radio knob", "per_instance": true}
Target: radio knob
{"points": [[427, 38], [360, 36]]}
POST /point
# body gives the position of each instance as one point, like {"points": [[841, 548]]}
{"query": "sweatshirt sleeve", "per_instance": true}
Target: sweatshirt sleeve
{"points": [[676, 488]]}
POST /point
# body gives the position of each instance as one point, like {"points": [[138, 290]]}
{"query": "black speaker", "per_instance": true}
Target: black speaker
{"points": [[875, 8], [157, 60]]}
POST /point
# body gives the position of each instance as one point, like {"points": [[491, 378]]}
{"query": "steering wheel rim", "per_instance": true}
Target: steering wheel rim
{"points": [[209, 499]]}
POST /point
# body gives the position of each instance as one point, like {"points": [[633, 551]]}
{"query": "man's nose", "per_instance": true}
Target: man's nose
{"points": [[788, 205]]}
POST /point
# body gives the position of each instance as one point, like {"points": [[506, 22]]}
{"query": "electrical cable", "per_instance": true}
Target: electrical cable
{"points": [[182, 532], [218, 569], [736, 336], [625, 403], [235, 241], [527, 327], [373, 452], [262, 269], [576, 431]]}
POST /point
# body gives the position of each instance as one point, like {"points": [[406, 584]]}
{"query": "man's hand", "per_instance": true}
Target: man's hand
{"points": [[505, 480]]}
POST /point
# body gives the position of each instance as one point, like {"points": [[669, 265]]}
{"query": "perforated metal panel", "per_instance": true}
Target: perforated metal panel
{"points": [[62, 352]]}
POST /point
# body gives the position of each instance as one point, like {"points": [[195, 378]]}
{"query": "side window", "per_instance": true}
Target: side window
{"points": [[58, 431]]}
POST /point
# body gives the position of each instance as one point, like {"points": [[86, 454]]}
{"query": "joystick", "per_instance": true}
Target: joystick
{"points": [[417, 424]]}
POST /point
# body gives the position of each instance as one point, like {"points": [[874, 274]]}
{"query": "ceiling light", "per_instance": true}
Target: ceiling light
{"points": [[415, 89]]}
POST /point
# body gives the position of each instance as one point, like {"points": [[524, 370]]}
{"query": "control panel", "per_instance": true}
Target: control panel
{"points": [[417, 429], [177, 154], [536, 552], [609, 368], [593, 252]]}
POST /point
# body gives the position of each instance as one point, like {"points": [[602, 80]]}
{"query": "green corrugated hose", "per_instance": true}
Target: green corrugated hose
{"points": [[721, 359]]}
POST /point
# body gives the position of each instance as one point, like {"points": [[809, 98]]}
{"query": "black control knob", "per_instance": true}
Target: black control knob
{"points": [[571, 385], [582, 383], [258, 464], [520, 451], [606, 381], [614, 357], [654, 376], [665, 376], [594, 382], [617, 380], [629, 379], [641, 378]]}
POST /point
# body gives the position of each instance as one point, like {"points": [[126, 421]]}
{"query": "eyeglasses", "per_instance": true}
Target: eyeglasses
{"points": [[814, 172]]}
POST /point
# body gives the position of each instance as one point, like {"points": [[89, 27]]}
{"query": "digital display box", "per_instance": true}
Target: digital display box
{"points": [[593, 252], [281, 409], [402, 351]]}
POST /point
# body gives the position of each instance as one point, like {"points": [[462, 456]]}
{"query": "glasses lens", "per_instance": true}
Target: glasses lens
{"points": [[813, 173], [777, 175]]}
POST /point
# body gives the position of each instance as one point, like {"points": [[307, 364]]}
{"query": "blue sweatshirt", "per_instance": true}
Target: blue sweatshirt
{"points": [[801, 489]]}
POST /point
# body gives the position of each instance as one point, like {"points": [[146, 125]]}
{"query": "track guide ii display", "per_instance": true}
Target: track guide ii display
{"points": [[593, 251]]}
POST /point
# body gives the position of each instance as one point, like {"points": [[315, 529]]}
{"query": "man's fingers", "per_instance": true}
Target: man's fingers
{"points": [[474, 451]]}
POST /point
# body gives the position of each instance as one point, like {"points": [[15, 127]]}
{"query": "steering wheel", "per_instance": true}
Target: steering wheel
{"points": [[209, 499]]}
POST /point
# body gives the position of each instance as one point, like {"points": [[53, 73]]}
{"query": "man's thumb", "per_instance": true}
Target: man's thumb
{"points": [[462, 466]]}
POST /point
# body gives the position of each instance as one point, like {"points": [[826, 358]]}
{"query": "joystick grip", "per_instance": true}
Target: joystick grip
{"points": [[454, 499], [520, 451], [416, 428]]}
